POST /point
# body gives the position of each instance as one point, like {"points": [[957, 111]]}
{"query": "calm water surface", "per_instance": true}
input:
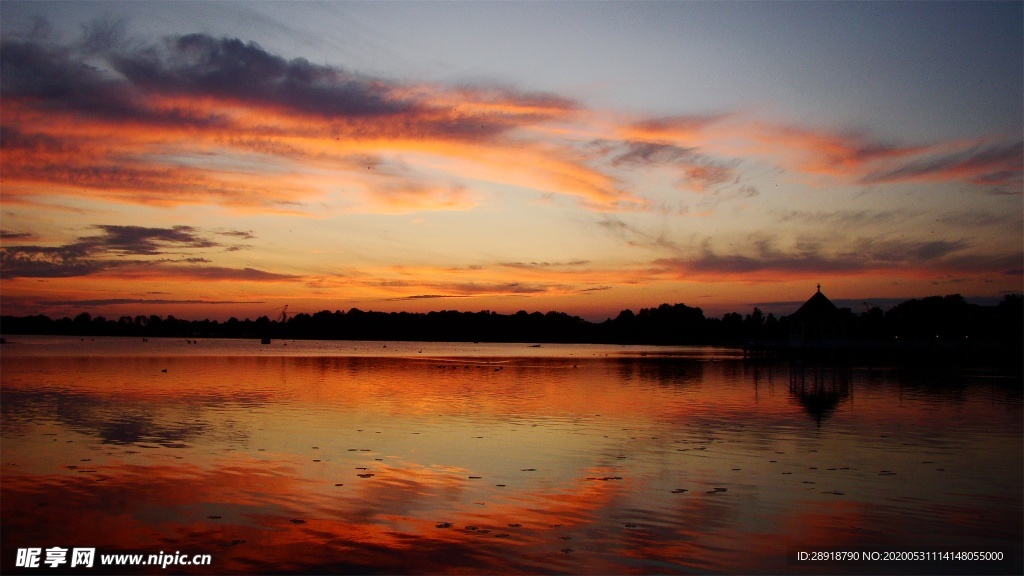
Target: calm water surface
{"points": [[423, 458]]}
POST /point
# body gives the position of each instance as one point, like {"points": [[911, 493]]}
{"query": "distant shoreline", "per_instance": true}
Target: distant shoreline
{"points": [[933, 323]]}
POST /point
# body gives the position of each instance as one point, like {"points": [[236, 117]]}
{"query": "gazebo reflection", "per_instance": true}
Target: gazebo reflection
{"points": [[819, 389]]}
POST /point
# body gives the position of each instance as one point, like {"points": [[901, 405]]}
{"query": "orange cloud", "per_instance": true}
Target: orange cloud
{"points": [[990, 165], [678, 130], [173, 131], [818, 152], [201, 120]]}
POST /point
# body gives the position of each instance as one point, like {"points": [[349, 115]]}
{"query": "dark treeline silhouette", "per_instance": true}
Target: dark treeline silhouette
{"points": [[947, 318]]}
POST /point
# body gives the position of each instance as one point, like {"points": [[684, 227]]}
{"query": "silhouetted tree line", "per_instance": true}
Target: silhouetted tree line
{"points": [[944, 317]]}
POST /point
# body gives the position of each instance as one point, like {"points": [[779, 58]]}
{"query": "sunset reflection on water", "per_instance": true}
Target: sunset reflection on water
{"points": [[572, 460]]}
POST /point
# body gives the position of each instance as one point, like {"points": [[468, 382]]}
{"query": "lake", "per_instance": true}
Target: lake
{"points": [[440, 458]]}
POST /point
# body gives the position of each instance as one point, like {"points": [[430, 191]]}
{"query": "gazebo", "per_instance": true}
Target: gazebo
{"points": [[817, 324]]}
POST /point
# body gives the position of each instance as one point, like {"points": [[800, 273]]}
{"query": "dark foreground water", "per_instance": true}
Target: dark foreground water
{"points": [[324, 457]]}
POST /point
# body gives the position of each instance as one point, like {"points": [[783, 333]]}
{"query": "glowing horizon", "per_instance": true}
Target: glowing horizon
{"points": [[192, 171]]}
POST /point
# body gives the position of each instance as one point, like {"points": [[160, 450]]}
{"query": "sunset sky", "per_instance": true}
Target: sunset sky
{"points": [[217, 159]]}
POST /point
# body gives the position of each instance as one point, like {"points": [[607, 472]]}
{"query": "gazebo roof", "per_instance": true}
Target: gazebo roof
{"points": [[817, 307]]}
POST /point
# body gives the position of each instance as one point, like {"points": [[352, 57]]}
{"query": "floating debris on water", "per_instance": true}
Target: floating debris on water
{"points": [[214, 517], [298, 521], [717, 490], [443, 525], [679, 490]]}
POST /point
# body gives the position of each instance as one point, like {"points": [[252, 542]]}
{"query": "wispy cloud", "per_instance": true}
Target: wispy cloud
{"points": [[643, 153], [225, 98], [426, 297], [241, 234], [197, 119], [634, 235], [105, 253], [545, 265], [681, 129], [845, 219], [155, 301], [842, 154], [767, 256], [8, 235], [211, 273], [139, 240], [992, 164]]}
